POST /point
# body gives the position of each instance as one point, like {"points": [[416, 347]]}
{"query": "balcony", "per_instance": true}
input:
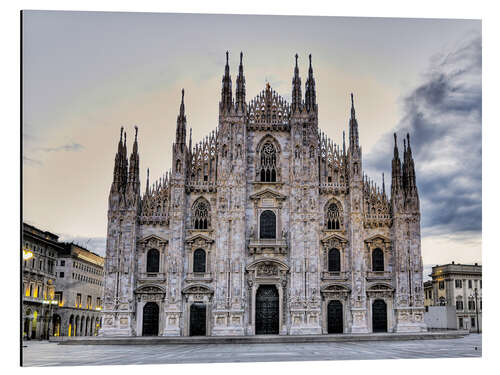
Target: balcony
{"points": [[378, 275], [205, 277], [338, 276], [271, 246], [152, 276]]}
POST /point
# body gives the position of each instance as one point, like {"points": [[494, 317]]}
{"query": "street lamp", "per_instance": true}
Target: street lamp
{"points": [[477, 311]]}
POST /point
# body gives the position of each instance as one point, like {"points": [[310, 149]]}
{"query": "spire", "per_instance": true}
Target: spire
{"points": [[190, 138], [117, 171], [133, 174], [180, 137], [296, 88], [343, 142], [396, 185], [226, 95], [353, 128], [411, 182], [240, 86], [383, 184], [147, 182], [353, 112], [310, 89]]}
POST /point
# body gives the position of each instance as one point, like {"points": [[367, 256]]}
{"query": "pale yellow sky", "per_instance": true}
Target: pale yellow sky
{"points": [[87, 74]]}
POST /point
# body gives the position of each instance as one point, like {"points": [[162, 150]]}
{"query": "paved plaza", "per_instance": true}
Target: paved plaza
{"points": [[51, 354]]}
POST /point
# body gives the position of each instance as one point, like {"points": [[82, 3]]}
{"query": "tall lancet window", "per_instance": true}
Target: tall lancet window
{"points": [[201, 214], [268, 163], [332, 217]]}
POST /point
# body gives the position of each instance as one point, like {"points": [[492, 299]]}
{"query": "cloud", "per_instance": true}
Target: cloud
{"points": [[443, 116], [68, 147], [94, 244], [31, 162]]}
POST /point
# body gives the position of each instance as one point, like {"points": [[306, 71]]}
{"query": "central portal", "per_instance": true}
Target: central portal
{"points": [[267, 310], [198, 319]]}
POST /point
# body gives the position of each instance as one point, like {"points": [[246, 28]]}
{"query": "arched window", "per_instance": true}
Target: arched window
{"points": [[332, 217], [377, 260], [153, 261], [268, 163], [201, 214], [333, 260], [268, 224], [199, 261]]}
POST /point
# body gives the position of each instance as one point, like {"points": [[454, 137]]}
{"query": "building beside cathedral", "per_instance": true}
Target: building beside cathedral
{"points": [[264, 227]]}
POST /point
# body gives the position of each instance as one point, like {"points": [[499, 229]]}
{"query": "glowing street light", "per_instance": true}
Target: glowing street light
{"points": [[27, 254]]}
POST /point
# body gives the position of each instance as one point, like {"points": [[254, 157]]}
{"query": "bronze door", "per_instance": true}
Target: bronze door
{"points": [[335, 317], [267, 311], [198, 320], [379, 316], [150, 317]]}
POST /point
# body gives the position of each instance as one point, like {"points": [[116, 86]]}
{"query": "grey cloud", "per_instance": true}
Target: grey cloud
{"points": [[31, 162], [94, 244], [443, 116], [68, 147]]}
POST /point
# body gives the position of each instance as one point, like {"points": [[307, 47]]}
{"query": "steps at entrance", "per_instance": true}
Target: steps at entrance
{"points": [[258, 339]]}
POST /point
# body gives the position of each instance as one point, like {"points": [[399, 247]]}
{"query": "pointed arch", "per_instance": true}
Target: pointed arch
{"points": [[201, 214], [267, 161], [334, 215]]}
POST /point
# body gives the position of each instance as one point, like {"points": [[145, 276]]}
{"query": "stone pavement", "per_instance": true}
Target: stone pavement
{"points": [[51, 354]]}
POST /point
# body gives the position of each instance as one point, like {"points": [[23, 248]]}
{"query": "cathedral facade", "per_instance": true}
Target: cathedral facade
{"points": [[264, 227]]}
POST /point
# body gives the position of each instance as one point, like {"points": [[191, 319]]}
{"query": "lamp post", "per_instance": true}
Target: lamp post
{"points": [[477, 310]]}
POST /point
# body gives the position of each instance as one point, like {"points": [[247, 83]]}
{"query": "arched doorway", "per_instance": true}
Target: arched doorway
{"points": [[379, 316], [335, 317], [34, 324], [56, 325], [71, 326], [198, 319], [150, 318], [267, 310]]}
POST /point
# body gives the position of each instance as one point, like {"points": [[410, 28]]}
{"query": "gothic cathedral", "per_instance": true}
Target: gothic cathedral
{"points": [[264, 227]]}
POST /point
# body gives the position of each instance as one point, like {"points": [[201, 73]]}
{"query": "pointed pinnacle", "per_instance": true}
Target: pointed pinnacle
{"points": [[241, 58], [136, 128], [121, 133], [296, 60], [227, 57]]}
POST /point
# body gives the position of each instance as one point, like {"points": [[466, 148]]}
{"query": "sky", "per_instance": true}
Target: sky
{"points": [[86, 74]]}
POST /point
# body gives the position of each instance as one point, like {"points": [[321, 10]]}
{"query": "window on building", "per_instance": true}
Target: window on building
{"points": [[268, 163], [472, 305], [37, 290], [201, 214], [333, 260], [89, 302], [470, 284], [472, 321], [458, 283], [267, 224], [377, 260], [58, 297], [460, 323], [199, 260], [40, 265], [61, 274], [332, 217], [98, 303], [78, 300], [459, 305], [441, 285], [153, 261]]}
